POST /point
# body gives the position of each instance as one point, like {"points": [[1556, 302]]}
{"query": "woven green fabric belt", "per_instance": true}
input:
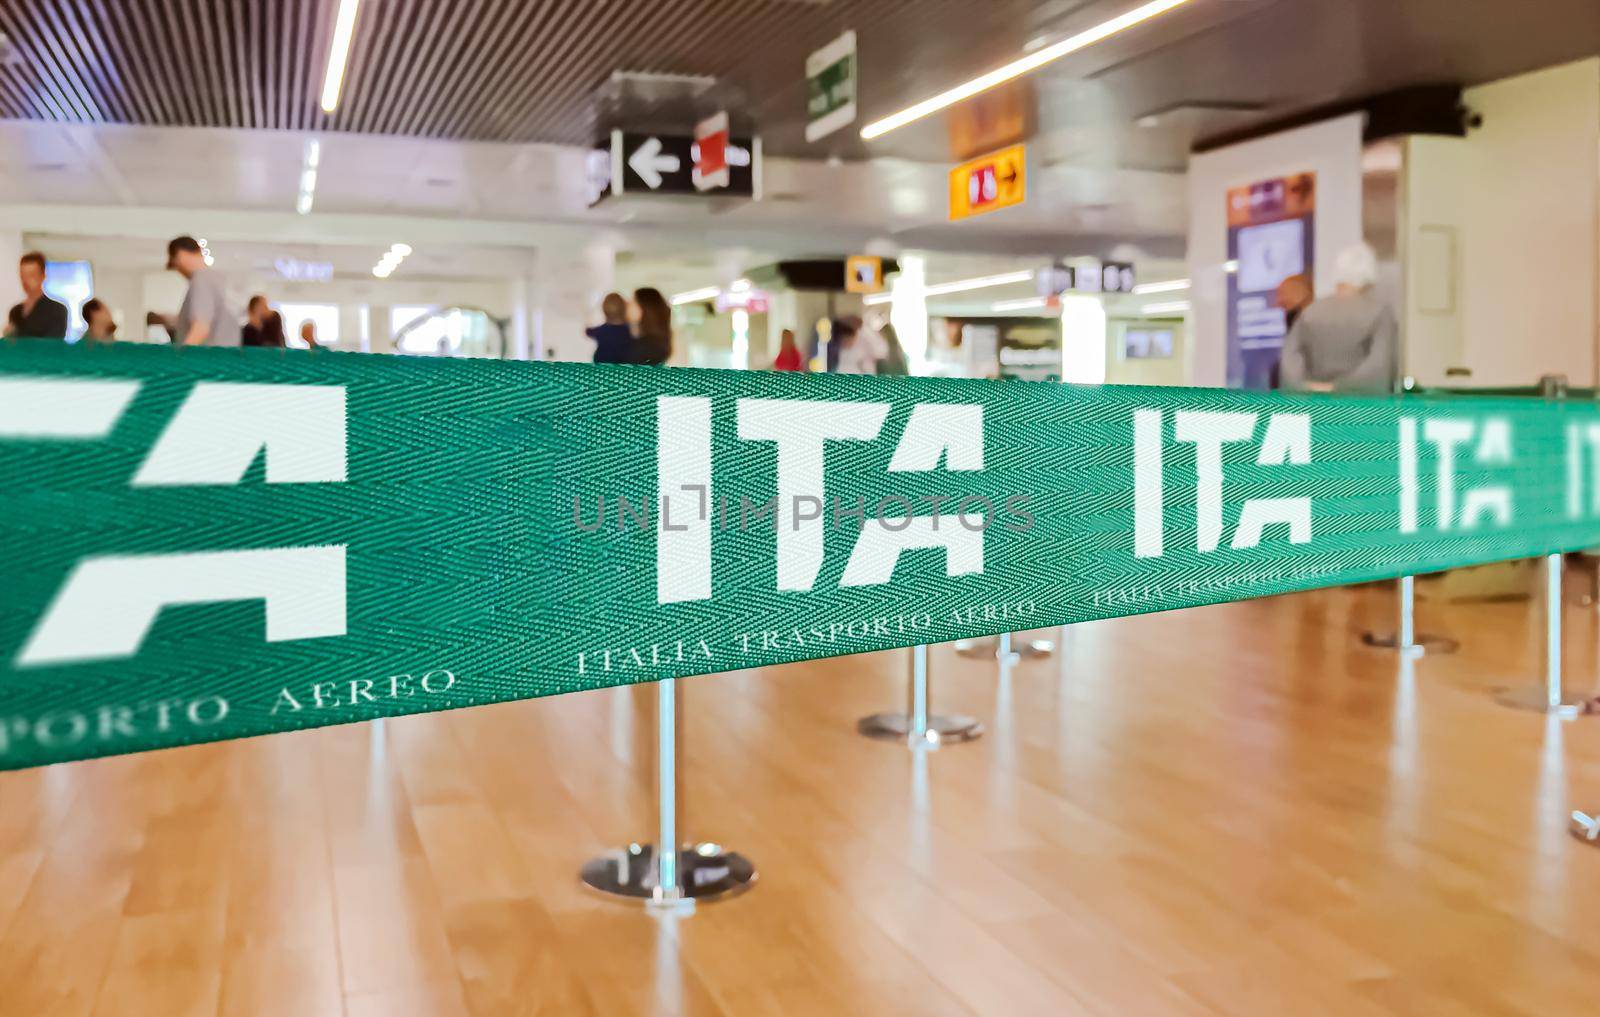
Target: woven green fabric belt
{"points": [[207, 544]]}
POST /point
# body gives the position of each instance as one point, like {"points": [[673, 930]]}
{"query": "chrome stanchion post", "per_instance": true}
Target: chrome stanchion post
{"points": [[919, 693], [1408, 610], [1586, 827], [669, 887], [919, 726], [670, 878], [1549, 697], [1004, 649], [1406, 640]]}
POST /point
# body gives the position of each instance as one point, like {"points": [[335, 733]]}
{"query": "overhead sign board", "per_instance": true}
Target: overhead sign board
{"points": [[863, 274], [831, 74], [633, 163], [989, 183]]}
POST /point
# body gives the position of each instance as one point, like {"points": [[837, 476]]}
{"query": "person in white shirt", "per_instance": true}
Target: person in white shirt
{"points": [[860, 349]]}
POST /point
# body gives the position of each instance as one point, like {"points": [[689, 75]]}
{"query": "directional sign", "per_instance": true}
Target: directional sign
{"points": [[863, 273], [649, 162], [831, 87], [994, 181], [656, 163]]}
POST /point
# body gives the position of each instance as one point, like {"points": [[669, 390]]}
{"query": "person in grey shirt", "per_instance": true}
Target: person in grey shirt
{"points": [[1347, 342], [205, 318]]}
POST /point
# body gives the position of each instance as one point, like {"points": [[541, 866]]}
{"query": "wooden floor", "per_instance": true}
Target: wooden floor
{"points": [[1237, 810]]}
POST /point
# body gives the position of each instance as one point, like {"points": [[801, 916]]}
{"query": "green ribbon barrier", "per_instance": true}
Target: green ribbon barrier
{"points": [[207, 544]]}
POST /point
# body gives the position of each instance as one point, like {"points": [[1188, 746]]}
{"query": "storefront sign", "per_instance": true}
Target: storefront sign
{"points": [[831, 87], [202, 544]]}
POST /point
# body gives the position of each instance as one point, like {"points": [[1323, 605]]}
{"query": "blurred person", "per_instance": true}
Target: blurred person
{"points": [[38, 316], [204, 318], [263, 326], [99, 326], [859, 349], [1293, 295], [788, 358], [1346, 342], [158, 328], [613, 340], [894, 355], [652, 326], [308, 334]]}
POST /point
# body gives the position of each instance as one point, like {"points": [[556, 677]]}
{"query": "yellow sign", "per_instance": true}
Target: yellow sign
{"points": [[996, 180], [863, 274]]}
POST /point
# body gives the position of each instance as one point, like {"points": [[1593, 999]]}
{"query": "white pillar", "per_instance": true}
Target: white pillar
{"points": [[10, 253], [565, 299], [519, 341], [380, 333]]}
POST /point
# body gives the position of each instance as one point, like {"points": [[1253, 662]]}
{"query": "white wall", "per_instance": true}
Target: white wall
{"points": [[132, 294], [10, 253], [1331, 150], [1500, 232]]}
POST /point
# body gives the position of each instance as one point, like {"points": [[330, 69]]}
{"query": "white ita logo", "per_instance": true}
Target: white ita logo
{"points": [[109, 602], [801, 430]]}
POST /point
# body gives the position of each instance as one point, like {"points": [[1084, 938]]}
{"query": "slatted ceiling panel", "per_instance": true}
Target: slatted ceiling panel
{"points": [[495, 70]]}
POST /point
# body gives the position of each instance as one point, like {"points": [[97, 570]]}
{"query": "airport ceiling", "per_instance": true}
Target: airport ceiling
{"points": [[543, 70]]}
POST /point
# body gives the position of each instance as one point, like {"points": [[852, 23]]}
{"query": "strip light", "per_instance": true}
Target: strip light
{"points": [[696, 296], [308, 176], [1030, 304], [344, 29], [960, 286], [1173, 307], [1032, 62], [1170, 286]]}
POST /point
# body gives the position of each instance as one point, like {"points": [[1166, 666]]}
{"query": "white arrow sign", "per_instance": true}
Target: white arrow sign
{"points": [[649, 163]]}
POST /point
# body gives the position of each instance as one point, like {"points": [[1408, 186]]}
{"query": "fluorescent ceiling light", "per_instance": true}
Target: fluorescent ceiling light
{"points": [[344, 28], [959, 286], [695, 296], [1173, 307], [308, 175], [1029, 304], [401, 250], [978, 283], [1032, 62], [1171, 286]]}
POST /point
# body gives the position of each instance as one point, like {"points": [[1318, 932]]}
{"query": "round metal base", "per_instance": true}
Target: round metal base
{"points": [[706, 871], [942, 729], [1421, 644], [1586, 828], [1030, 648], [1536, 699]]}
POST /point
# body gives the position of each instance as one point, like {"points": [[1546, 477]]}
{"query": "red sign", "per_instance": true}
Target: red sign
{"points": [[711, 153]]}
